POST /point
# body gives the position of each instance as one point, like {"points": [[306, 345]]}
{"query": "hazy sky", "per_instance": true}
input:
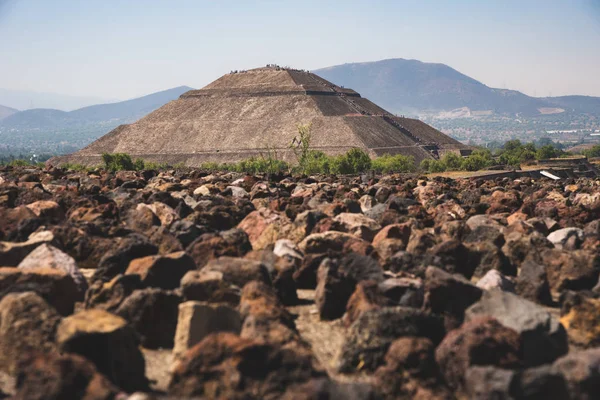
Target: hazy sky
{"points": [[126, 48]]}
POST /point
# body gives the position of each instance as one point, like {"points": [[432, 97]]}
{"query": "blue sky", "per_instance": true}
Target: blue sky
{"points": [[123, 49]]}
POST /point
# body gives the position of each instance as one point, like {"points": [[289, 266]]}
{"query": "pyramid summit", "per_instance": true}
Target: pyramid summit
{"points": [[243, 113]]}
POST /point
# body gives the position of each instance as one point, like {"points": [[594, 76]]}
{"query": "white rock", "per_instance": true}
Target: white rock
{"points": [[560, 237]]}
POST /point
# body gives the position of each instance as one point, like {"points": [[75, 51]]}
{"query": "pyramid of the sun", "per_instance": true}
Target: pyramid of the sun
{"points": [[243, 113]]}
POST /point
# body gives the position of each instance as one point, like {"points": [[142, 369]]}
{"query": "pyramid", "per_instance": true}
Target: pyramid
{"points": [[244, 113]]}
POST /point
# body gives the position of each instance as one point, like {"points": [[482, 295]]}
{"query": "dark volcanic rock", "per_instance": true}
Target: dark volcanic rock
{"points": [[56, 287], [153, 314], [449, 295], [543, 338], [117, 259], [482, 341], [370, 336]]}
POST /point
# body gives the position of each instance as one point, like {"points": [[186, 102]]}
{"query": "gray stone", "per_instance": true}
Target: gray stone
{"points": [[493, 279], [544, 338]]}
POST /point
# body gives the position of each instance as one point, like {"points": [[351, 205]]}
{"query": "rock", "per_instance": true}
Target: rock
{"points": [[532, 283], [239, 271], [324, 388], [481, 342], [488, 382], [109, 295], [336, 280], [196, 320], [543, 337], [12, 253], [486, 234], [483, 220], [108, 342], [27, 325], [571, 270], [306, 274], [367, 296], [403, 291], [232, 243], [209, 286], [54, 286], [333, 290], [451, 256], [486, 256], [48, 256], [117, 260], [287, 248], [539, 383], [49, 210], [141, 218], [226, 366], [369, 337], [153, 314], [560, 237], [358, 225], [580, 319], [334, 241], [581, 371], [410, 371], [263, 227], [165, 214], [518, 246], [495, 280], [66, 376], [162, 271], [449, 295], [260, 300]]}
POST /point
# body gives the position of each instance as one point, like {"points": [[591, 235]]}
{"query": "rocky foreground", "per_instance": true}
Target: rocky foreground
{"points": [[189, 285]]}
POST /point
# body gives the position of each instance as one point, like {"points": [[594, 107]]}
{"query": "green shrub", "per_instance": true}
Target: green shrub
{"points": [[316, 162], [340, 165], [74, 167], [359, 160], [398, 163], [547, 151], [437, 166], [452, 161], [593, 152], [118, 162], [19, 163]]}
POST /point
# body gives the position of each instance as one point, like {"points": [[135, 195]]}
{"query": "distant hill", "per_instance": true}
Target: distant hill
{"points": [[411, 86], [26, 100], [49, 130], [580, 104], [6, 111]]}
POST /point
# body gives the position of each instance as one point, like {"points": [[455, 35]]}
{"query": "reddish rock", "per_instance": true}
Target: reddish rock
{"points": [[227, 366], [232, 243], [481, 342], [56, 287], [64, 377], [162, 271]]}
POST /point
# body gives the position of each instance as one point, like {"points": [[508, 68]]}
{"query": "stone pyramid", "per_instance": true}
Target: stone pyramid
{"points": [[243, 113]]}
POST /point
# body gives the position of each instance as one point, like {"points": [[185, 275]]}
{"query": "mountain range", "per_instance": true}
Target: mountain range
{"points": [[453, 102], [6, 111], [50, 130], [415, 87]]}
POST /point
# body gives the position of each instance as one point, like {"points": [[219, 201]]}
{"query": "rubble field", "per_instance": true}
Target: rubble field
{"points": [[187, 284]]}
